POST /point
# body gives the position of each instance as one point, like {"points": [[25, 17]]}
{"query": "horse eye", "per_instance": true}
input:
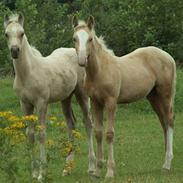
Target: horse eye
{"points": [[74, 39], [6, 35], [22, 34], [90, 39]]}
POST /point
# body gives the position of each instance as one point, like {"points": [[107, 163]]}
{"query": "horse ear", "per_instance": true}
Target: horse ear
{"points": [[6, 20], [21, 19], [90, 22], [74, 21]]}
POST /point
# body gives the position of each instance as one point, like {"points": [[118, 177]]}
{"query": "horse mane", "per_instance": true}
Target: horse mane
{"points": [[99, 40], [103, 45], [35, 51]]}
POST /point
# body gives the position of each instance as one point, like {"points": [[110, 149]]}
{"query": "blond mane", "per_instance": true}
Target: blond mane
{"points": [[103, 45]]}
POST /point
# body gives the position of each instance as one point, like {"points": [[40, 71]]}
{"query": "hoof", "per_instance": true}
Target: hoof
{"points": [[91, 171], [166, 167], [35, 174], [40, 178], [109, 175], [95, 174], [65, 173]]}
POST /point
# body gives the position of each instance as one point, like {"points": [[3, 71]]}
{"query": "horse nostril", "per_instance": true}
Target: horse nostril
{"points": [[14, 51]]}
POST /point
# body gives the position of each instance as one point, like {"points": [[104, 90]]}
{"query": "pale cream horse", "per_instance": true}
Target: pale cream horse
{"points": [[41, 80], [146, 72]]}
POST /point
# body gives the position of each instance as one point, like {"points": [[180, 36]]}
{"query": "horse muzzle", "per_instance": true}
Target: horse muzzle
{"points": [[82, 58], [15, 52]]}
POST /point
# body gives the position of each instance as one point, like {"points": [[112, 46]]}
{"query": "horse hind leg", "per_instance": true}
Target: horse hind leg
{"points": [[169, 118], [163, 106], [83, 101], [70, 120]]}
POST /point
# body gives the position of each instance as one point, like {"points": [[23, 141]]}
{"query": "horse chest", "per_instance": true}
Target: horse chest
{"points": [[24, 94], [28, 91], [94, 91]]}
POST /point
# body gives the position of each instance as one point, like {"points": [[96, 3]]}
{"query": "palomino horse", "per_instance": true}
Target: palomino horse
{"points": [[42, 80], [146, 72]]}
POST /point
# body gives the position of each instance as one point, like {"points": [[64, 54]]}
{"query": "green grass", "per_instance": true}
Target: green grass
{"points": [[138, 146]]}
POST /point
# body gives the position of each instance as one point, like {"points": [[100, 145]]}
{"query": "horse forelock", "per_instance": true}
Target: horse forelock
{"points": [[12, 18], [100, 40]]}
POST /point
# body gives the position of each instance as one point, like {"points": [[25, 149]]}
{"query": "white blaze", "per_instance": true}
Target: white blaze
{"points": [[82, 54]]}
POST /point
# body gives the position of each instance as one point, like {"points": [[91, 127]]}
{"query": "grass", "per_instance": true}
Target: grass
{"points": [[138, 147]]}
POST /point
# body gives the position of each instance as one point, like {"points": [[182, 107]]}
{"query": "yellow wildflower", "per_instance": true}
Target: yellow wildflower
{"points": [[61, 124], [49, 142], [13, 118], [53, 118], [69, 166], [31, 118], [40, 127], [5, 114], [68, 147], [77, 149], [18, 125], [76, 134]]}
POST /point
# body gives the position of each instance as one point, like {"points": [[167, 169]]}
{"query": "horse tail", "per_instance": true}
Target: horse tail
{"points": [[174, 76]]}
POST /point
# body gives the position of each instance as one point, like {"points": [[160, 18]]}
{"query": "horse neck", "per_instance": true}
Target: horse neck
{"points": [[95, 60], [23, 64], [93, 65]]}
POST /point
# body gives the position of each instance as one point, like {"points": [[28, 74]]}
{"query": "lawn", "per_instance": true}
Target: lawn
{"points": [[138, 147]]}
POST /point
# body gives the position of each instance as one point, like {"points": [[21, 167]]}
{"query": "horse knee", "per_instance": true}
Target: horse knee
{"points": [[42, 136], [170, 120], [88, 123], [98, 135], [109, 136], [30, 134]]}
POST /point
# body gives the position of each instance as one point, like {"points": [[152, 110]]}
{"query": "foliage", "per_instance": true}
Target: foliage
{"points": [[138, 145], [126, 25], [13, 140]]}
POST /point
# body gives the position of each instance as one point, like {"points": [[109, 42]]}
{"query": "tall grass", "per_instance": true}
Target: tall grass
{"points": [[138, 147]]}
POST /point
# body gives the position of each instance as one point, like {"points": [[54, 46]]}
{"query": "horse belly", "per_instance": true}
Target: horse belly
{"points": [[62, 87], [135, 91]]}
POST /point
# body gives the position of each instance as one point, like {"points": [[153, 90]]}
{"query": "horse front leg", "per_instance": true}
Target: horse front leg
{"points": [[28, 109], [111, 110], [42, 109], [83, 101], [98, 120]]}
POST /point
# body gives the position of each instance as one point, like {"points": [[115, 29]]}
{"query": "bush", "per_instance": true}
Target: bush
{"points": [[126, 25]]}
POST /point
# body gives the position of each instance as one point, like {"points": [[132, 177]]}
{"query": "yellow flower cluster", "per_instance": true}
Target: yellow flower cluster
{"points": [[30, 118], [53, 118], [69, 166], [15, 126], [76, 134], [68, 147], [50, 143], [62, 124], [13, 118], [5, 114], [15, 136], [40, 127]]}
